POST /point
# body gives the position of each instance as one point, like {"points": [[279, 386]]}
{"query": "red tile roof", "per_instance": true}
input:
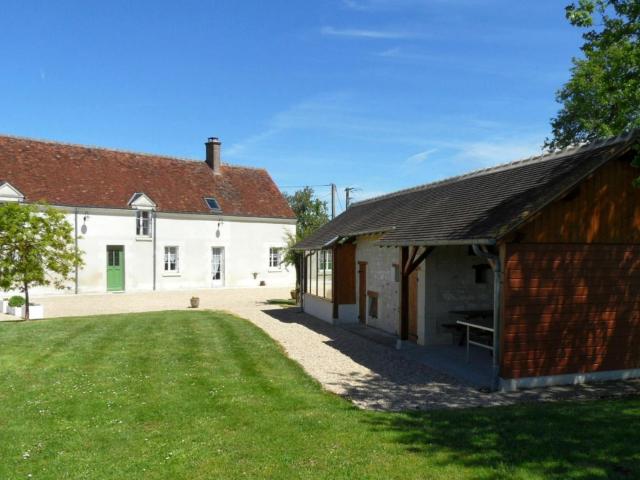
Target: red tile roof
{"points": [[74, 175]]}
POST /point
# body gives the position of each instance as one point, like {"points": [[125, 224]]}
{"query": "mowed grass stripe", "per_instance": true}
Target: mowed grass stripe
{"points": [[204, 395]]}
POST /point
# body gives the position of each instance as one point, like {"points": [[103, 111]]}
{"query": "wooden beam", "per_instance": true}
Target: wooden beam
{"points": [[409, 265], [404, 295], [334, 276], [420, 259], [405, 266]]}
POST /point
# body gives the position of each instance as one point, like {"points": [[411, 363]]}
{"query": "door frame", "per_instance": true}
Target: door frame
{"points": [[123, 265], [223, 268], [362, 292]]}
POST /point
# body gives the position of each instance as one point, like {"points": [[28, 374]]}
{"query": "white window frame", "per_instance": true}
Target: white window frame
{"points": [[166, 262], [140, 221], [323, 254], [278, 267]]}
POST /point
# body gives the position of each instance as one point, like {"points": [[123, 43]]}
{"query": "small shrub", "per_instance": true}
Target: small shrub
{"points": [[16, 301]]}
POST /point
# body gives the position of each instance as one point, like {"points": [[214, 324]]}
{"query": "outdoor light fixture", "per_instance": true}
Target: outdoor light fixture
{"points": [[220, 223], [83, 229]]}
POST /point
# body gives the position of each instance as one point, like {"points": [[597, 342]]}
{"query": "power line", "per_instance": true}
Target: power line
{"points": [[303, 186], [339, 202]]}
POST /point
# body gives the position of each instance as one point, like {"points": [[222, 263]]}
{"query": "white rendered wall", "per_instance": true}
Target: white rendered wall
{"points": [[246, 243], [318, 307]]}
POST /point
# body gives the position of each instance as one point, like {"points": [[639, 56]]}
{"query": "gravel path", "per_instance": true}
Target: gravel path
{"points": [[371, 375]]}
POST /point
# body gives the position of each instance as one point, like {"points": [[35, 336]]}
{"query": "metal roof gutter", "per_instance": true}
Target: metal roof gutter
{"points": [[436, 243]]}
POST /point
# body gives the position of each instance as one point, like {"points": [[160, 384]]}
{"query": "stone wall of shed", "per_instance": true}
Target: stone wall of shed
{"points": [[381, 279], [450, 285]]}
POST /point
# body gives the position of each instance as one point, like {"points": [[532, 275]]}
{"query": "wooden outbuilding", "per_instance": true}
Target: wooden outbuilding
{"points": [[545, 252]]}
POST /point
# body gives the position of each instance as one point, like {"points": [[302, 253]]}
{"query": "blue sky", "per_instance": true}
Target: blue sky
{"points": [[376, 94]]}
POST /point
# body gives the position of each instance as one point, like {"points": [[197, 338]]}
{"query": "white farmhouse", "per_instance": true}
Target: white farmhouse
{"points": [[148, 222]]}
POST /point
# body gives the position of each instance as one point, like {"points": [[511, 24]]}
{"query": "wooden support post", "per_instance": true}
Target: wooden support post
{"points": [[404, 295], [408, 266], [335, 261]]}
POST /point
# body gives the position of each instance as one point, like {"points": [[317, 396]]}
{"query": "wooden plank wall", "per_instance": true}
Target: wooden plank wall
{"points": [[345, 271], [571, 297], [604, 208], [570, 308]]}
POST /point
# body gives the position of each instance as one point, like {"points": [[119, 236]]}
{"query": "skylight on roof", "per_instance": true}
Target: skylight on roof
{"points": [[212, 203]]}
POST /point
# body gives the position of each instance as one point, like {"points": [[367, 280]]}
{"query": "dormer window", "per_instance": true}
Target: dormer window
{"points": [[144, 207], [8, 193], [143, 223], [212, 203]]}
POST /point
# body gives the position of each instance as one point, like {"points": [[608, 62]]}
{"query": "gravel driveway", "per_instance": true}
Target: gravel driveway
{"points": [[371, 375]]}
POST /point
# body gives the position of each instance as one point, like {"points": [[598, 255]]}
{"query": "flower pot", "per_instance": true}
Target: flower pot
{"points": [[195, 302], [262, 283], [36, 311]]}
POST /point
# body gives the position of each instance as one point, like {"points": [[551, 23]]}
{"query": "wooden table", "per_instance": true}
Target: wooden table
{"points": [[479, 319]]}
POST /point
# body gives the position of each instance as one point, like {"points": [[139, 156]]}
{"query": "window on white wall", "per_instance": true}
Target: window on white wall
{"points": [[326, 260], [143, 223], [171, 259], [275, 261]]}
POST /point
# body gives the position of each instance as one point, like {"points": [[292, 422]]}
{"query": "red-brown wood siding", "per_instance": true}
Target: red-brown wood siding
{"points": [[345, 271], [570, 308], [605, 208]]}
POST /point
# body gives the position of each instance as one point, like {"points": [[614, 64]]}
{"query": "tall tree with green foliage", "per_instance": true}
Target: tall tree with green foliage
{"points": [[602, 97], [311, 213], [37, 248]]}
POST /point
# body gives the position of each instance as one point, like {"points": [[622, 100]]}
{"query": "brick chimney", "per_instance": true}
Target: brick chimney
{"points": [[212, 147]]}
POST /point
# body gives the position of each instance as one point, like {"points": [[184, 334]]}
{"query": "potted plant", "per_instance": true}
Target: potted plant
{"points": [[15, 305], [195, 302], [16, 308]]}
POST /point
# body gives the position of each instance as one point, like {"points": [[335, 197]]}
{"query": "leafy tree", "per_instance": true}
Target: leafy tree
{"points": [[36, 248], [602, 98], [311, 213]]}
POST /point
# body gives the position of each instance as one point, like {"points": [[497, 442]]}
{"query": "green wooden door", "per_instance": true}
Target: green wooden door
{"points": [[115, 268]]}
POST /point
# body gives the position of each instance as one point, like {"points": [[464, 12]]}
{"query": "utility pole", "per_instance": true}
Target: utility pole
{"points": [[347, 192], [334, 193]]}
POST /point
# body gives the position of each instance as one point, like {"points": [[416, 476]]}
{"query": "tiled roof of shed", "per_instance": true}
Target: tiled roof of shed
{"points": [[478, 207], [75, 175]]}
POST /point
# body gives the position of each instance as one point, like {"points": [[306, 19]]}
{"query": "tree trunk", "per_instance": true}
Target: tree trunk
{"points": [[26, 304]]}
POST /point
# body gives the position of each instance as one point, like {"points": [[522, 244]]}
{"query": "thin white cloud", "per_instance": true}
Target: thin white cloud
{"points": [[238, 149], [387, 5], [449, 144], [380, 5], [398, 53], [493, 152], [369, 34], [420, 157]]}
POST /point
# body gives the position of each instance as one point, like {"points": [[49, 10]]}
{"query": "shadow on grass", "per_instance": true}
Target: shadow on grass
{"points": [[597, 439]]}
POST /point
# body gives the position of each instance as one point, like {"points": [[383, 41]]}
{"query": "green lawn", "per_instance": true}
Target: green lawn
{"points": [[204, 395]]}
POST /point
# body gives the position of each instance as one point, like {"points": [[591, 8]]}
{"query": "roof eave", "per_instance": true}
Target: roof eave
{"points": [[437, 243]]}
